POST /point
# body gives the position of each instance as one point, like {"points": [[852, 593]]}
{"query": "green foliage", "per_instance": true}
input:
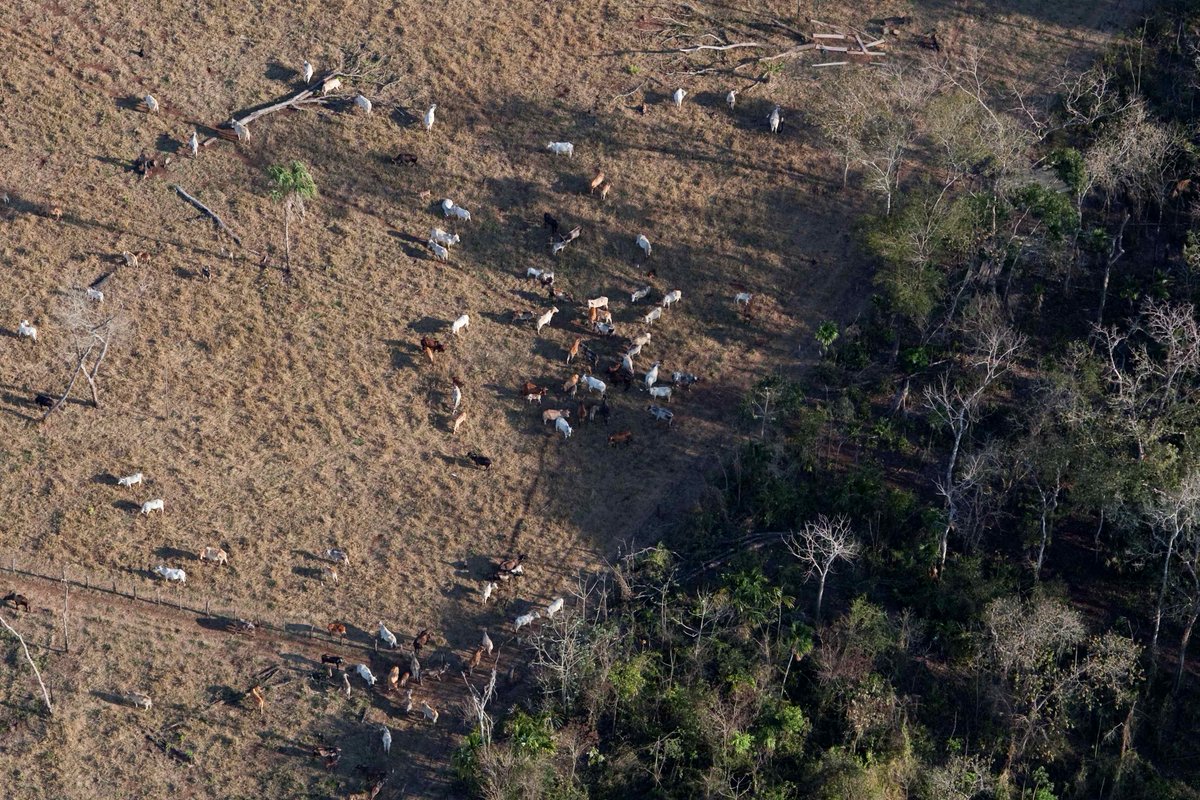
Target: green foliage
{"points": [[529, 735], [291, 181], [1071, 167], [628, 678], [1054, 209], [755, 598], [826, 335]]}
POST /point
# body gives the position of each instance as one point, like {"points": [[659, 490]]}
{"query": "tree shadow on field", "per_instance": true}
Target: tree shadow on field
{"points": [[20, 402]]}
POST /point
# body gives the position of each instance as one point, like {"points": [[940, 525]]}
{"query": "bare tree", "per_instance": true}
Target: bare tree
{"points": [[1147, 370], [90, 332], [1045, 663], [1175, 515], [32, 665], [956, 404], [819, 546]]}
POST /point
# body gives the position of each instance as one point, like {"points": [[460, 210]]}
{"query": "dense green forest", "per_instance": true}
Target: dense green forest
{"points": [[961, 558]]}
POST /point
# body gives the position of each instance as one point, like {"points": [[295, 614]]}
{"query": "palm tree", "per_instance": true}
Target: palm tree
{"points": [[827, 334], [293, 184]]}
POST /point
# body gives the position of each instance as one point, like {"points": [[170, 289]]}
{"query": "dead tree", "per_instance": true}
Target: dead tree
{"points": [[819, 546], [36, 673], [90, 336]]}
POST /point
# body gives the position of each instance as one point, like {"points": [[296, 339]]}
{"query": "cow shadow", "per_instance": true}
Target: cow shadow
{"points": [[400, 358], [308, 555], [176, 554], [105, 479], [127, 506], [115, 698], [312, 573], [427, 325]]}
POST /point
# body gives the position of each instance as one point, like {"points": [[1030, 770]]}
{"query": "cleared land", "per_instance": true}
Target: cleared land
{"points": [[278, 418]]}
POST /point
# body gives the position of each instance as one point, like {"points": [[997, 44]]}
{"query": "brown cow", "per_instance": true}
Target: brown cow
{"points": [[621, 437]]}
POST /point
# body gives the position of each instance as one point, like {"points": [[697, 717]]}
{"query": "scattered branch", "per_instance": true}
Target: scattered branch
{"points": [[217, 221]]}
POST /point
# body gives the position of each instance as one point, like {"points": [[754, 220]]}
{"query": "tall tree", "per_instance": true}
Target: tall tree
{"points": [[292, 185]]}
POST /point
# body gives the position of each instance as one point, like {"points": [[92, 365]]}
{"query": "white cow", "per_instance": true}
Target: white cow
{"points": [[460, 324], [561, 148], [170, 575], [562, 426], [153, 505]]}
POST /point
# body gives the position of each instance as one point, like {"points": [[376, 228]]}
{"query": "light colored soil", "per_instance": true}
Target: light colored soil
{"points": [[278, 419]]}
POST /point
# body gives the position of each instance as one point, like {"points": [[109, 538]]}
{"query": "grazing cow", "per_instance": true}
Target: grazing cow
{"points": [[365, 673], [661, 393], [430, 713], [256, 694], [561, 148], [554, 415], [639, 294], [441, 253], [138, 700], [130, 480], [332, 662], [536, 396], [562, 426], [742, 298], [214, 554], [594, 384], [644, 243], [153, 505], [428, 343], [170, 575], [597, 179], [476, 657], [544, 319], [573, 350], [604, 190], [773, 120], [336, 629], [571, 385], [457, 422], [661, 414], [387, 636], [387, 739], [338, 556], [652, 374], [525, 619], [241, 626], [481, 461], [621, 437], [511, 566], [44, 400], [554, 607], [684, 380], [460, 324], [488, 588], [420, 640], [486, 642], [652, 315], [671, 298], [329, 573], [393, 678], [17, 601], [521, 316], [550, 222]]}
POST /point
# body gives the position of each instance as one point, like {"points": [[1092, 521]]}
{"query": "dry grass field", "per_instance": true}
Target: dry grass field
{"points": [[279, 417]]}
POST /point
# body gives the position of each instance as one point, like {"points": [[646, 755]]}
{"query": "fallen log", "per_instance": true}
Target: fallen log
{"points": [[217, 221]]}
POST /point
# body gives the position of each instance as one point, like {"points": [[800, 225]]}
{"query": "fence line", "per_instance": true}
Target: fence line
{"points": [[79, 577]]}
